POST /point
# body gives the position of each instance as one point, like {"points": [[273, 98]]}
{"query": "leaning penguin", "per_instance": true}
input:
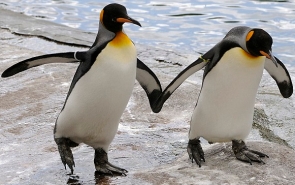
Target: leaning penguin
{"points": [[225, 107], [100, 89]]}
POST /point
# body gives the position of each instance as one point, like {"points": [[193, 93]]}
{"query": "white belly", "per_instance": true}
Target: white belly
{"points": [[93, 110], [226, 103]]}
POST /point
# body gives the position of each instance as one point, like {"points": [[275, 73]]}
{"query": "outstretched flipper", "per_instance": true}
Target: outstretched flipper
{"points": [[86, 57], [148, 81], [68, 57], [182, 76], [280, 74]]}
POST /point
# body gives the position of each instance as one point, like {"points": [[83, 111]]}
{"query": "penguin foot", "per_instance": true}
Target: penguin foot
{"points": [[195, 151], [102, 165], [65, 152], [244, 154]]}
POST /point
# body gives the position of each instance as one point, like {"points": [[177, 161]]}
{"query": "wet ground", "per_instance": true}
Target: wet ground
{"points": [[30, 103], [152, 147]]}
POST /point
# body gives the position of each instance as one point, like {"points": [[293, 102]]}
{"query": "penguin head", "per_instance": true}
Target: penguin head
{"points": [[258, 43], [114, 15]]}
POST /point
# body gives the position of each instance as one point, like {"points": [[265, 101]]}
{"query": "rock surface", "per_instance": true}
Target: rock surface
{"points": [[152, 147], [221, 167]]}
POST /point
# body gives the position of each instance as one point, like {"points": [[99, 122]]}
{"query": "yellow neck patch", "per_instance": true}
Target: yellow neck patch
{"points": [[247, 55], [121, 40], [250, 60]]}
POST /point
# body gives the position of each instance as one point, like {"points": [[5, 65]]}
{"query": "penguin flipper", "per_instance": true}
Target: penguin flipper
{"points": [[176, 82], [182, 76], [148, 81], [68, 57], [281, 75]]}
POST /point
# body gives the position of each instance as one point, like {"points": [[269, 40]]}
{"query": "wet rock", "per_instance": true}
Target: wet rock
{"points": [[25, 25], [221, 167], [261, 122], [278, 110], [152, 147]]}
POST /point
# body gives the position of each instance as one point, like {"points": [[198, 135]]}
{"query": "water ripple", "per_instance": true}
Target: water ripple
{"points": [[192, 25]]}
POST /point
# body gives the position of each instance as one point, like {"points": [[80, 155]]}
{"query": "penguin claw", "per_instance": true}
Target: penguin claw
{"points": [[195, 151], [109, 169], [65, 152], [260, 154], [103, 166], [242, 153]]}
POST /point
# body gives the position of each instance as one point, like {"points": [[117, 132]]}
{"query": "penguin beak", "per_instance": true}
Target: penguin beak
{"points": [[270, 56], [128, 19]]}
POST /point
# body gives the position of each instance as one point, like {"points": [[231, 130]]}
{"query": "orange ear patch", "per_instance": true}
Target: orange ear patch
{"points": [[249, 35], [101, 15]]}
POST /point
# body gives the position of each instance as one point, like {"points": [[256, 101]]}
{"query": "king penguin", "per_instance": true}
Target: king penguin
{"points": [[225, 106], [100, 89]]}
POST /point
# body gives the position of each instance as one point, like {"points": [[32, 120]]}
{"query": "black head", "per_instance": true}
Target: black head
{"points": [[114, 15], [258, 43]]}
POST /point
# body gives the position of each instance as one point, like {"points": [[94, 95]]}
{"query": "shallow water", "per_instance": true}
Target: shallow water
{"points": [[192, 26]]}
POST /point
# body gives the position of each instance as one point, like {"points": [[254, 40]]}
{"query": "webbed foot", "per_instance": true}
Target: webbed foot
{"points": [[102, 165], [244, 154], [195, 151], [65, 152]]}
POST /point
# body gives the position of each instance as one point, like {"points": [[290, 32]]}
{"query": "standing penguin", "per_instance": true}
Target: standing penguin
{"points": [[225, 107], [100, 89]]}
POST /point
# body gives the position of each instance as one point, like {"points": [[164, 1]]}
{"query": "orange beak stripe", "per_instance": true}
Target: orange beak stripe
{"points": [[264, 54], [122, 20]]}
